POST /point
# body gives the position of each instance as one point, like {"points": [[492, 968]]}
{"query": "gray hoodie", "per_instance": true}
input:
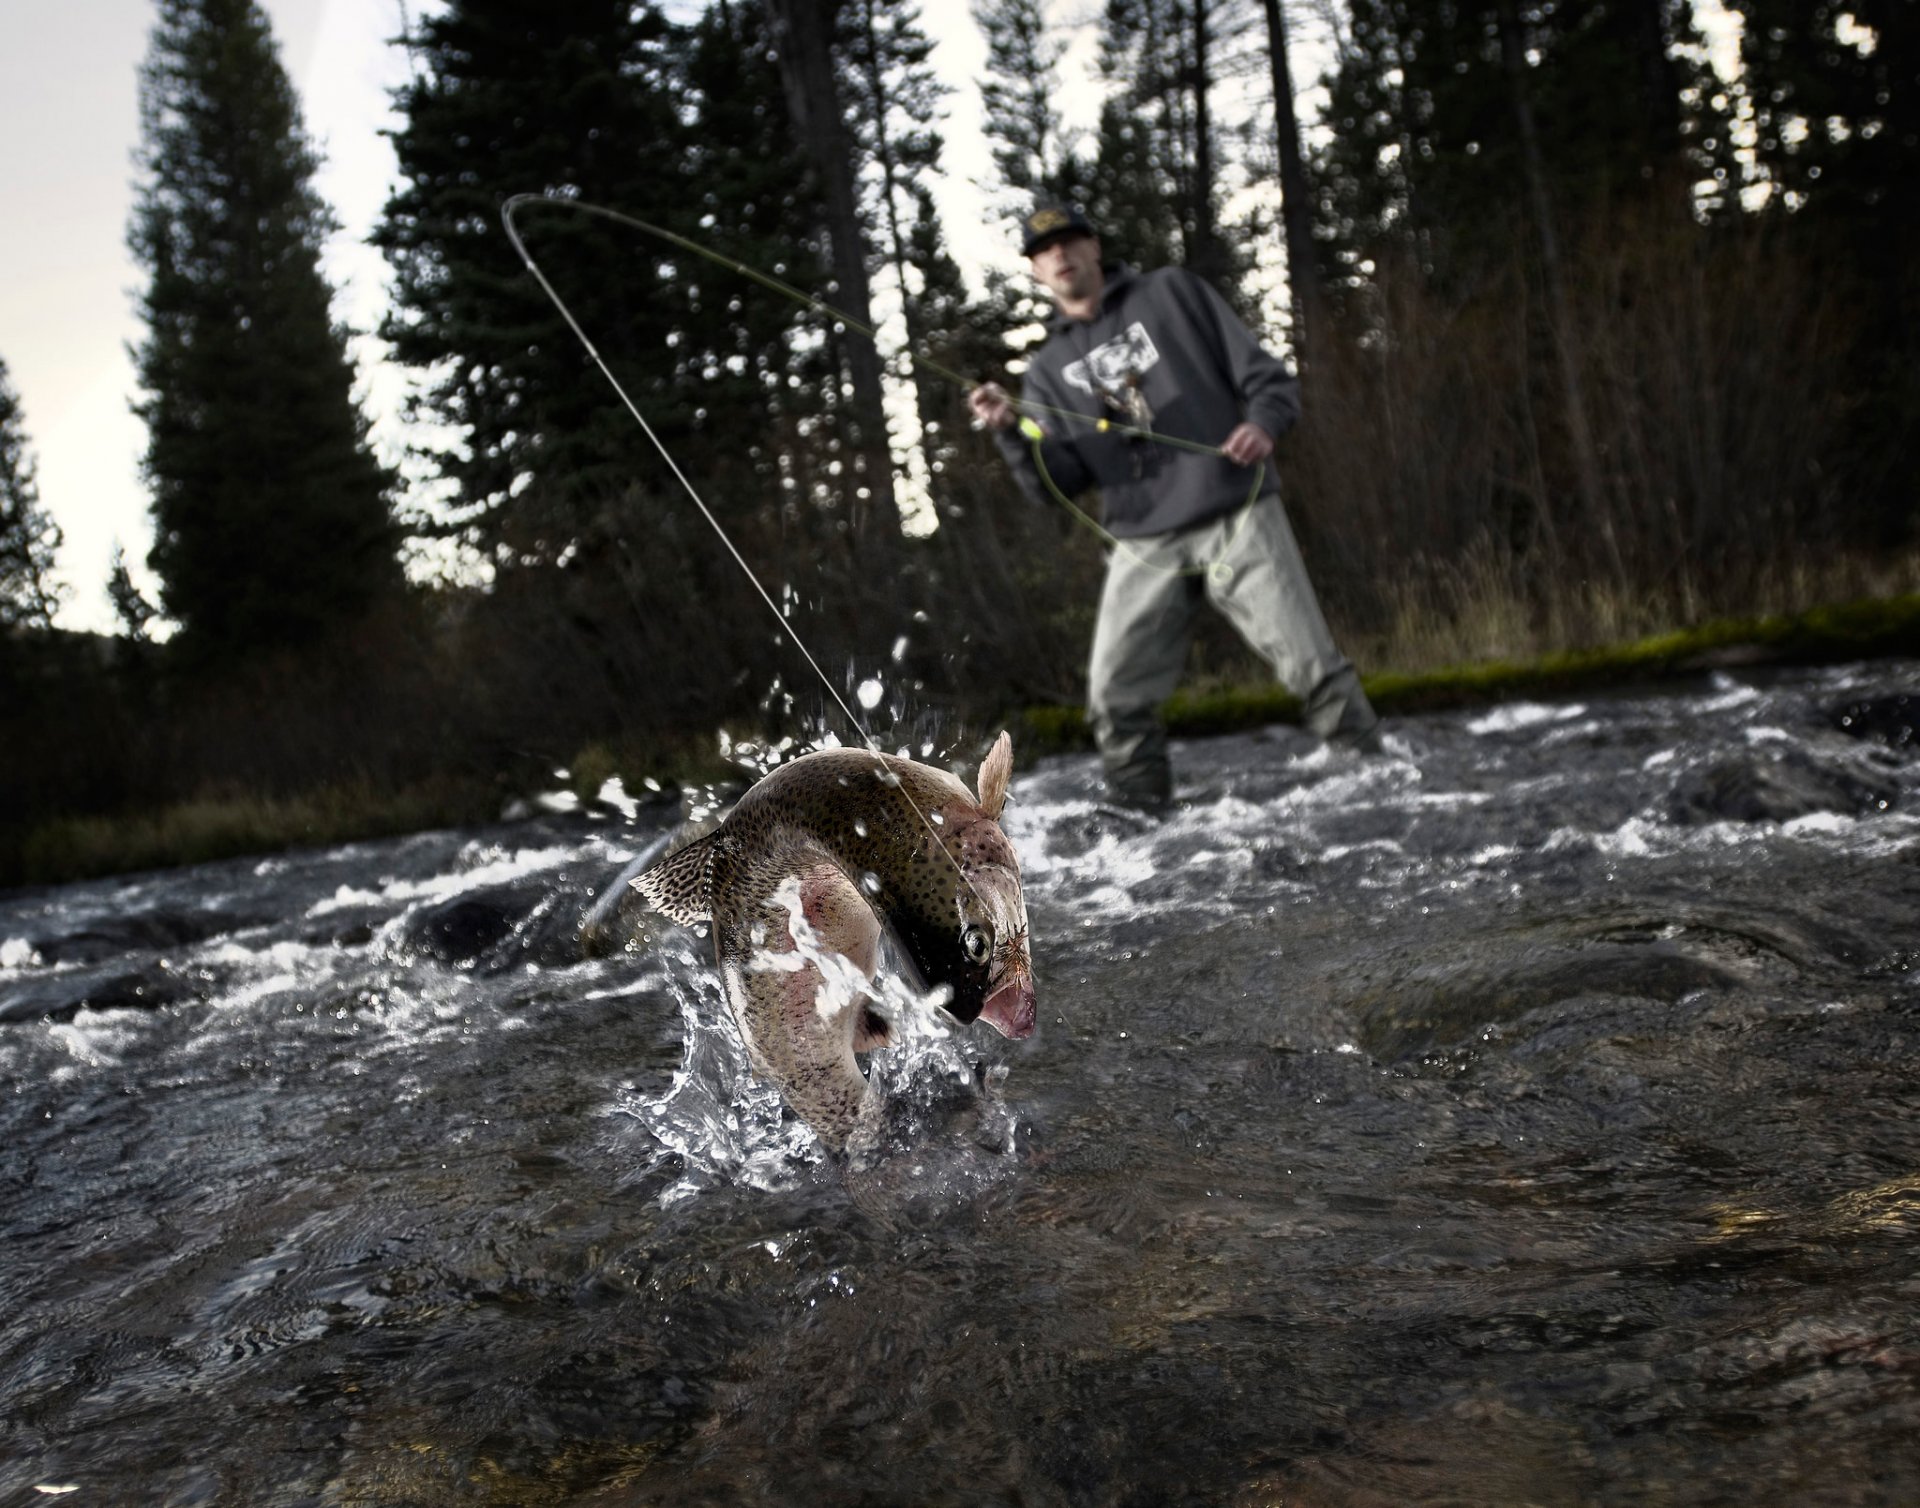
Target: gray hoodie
{"points": [[1164, 353]]}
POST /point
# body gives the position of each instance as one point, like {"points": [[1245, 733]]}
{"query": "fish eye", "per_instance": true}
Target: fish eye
{"points": [[975, 943]]}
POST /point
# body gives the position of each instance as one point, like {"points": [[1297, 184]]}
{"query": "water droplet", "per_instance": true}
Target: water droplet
{"points": [[870, 882], [870, 693], [860, 826], [938, 819]]}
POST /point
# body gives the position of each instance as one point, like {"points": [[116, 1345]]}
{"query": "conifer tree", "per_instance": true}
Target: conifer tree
{"points": [[1161, 170], [577, 98], [895, 101], [803, 34], [752, 361], [1426, 162], [28, 537], [1835, 93], [1032, 153], [271, 516], [130, 605]]}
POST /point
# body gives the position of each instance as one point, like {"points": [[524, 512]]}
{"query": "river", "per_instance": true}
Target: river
{"points": [[1528, 1116]]}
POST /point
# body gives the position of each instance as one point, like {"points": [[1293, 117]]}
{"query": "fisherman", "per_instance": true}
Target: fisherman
{"points": [[1160, 353]]}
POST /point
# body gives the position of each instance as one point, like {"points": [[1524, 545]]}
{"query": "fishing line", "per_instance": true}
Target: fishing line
{"points": [[914, 358], [506, 215]]}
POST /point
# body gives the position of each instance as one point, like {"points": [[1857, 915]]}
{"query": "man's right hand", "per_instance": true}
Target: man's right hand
{"points": [[992, 408]]}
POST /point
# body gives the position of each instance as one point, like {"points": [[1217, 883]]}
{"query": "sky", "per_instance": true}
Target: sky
{"points": [[68, 287]]}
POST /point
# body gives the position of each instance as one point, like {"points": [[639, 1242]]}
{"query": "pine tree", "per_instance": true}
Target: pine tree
{"points": [[804, 34], [577, 98], [1296, 195], [1034, 158], [29, 538], [1426, 163], [895, 104], [1032, 154], [271, 517], [130, 606], [752, 360], [1835, 95], [1161, 170]]}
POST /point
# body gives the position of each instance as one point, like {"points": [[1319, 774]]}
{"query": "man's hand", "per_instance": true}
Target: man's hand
{"points": [[1248, 445], [992, 408]]}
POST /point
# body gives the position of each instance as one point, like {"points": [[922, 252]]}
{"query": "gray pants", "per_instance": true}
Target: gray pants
{"points": [[1250, 569]]}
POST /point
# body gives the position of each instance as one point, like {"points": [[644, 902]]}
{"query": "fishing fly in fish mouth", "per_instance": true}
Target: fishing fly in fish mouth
{"points": [[828, 853]]}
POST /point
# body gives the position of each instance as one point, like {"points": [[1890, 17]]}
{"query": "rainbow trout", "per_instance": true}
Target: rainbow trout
{"points": [[838, 846]]}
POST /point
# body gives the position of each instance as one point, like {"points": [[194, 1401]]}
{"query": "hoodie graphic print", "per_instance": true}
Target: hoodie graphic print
{"points": [[1163, 353]]}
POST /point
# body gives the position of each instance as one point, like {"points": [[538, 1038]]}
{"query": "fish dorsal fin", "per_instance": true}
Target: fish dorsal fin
{"points": [[995, 771], [679, 886]]}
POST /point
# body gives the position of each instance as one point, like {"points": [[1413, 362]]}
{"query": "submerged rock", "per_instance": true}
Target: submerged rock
{"points": [[1775, 788], [495, 928], [1890, 720]]}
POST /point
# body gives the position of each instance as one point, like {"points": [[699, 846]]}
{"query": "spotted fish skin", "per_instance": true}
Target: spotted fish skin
{"points": [[855, 842]]}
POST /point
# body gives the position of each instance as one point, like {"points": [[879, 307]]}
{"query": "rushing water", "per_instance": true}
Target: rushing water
{"points": [[1527, 1117]]}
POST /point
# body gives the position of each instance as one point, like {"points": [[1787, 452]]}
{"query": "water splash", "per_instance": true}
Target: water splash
{"points": [[727, 1127]]}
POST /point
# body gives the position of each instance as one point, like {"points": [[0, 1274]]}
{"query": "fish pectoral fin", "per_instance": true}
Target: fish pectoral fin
{"points": [[679, 886]]}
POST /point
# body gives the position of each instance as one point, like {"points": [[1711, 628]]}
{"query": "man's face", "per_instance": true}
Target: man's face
{"points": [[1069, 268]]}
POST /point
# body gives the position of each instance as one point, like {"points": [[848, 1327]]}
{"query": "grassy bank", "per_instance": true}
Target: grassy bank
{"points": [[219, 826], [1857, 630]]}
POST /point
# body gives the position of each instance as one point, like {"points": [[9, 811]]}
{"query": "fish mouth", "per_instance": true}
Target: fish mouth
{"points": [[1009, 1009]]}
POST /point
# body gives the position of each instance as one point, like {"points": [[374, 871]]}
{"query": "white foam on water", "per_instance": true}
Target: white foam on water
{"points": [[1730, 693], [282, 968], [345, 898], [613, 793], [92, 1040], [1819, 822], [16, 953], [1336, 851], [728, 1126], [1516, 716], [1570, 732], [491, 871]]}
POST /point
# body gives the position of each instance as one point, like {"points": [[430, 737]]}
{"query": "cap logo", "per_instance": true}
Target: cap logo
{"points": [[1046, 220]]}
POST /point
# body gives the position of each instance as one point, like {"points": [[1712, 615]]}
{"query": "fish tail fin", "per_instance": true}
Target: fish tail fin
{"points": [[680, 885]]}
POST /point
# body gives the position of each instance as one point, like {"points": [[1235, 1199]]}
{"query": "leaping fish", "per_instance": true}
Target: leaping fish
{"points": [[849, 842]]}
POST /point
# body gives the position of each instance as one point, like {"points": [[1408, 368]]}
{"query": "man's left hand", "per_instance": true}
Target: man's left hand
{"points": [[1248, 445]]}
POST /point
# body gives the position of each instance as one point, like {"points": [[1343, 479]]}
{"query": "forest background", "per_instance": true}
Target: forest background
{"points": [[1597, 339]]}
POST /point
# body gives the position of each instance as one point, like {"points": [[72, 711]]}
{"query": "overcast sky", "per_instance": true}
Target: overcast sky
{"points": [[68, 105]]}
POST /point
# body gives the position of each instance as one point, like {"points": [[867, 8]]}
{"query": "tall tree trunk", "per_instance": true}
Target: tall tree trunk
{"points": [[1203, 252], [1296, 205], [892, 184], [1559, 310], [802, 34]]}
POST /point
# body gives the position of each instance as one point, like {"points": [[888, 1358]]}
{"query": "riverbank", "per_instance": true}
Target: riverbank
{"points": [[1850, 631], [221, 826]]}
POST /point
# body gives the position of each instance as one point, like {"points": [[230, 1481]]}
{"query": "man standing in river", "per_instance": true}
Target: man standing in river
{"points": [[1161, 351]]}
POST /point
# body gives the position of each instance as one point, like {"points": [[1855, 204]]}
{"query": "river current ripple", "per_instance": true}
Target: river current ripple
{"points": [[1529, 1116]]}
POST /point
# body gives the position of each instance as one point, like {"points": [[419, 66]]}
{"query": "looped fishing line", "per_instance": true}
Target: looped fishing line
{"points": [[1216, 570], [912, 357]]}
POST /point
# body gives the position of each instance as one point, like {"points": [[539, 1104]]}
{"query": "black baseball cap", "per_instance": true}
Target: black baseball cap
{"points": [[1049, 220]]}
